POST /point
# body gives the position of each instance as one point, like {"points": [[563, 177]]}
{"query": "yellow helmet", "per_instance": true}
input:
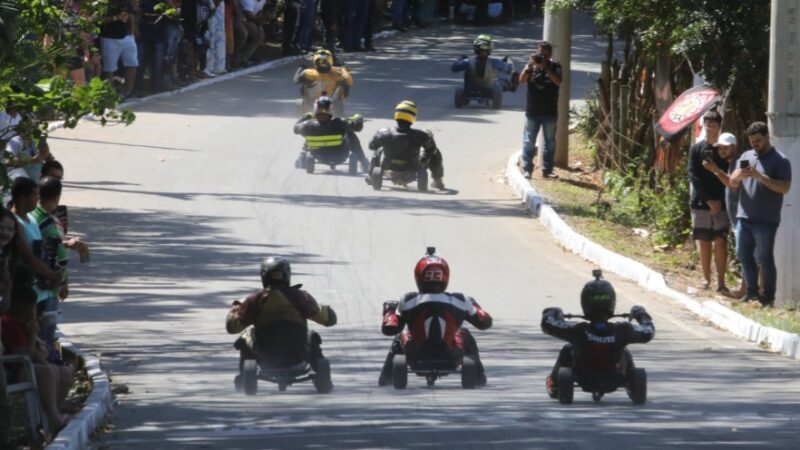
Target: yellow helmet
{"points": [[406, 110], [323, 59]]}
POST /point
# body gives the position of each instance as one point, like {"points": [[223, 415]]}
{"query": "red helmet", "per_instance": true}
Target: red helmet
{"points": [[432, 273]]}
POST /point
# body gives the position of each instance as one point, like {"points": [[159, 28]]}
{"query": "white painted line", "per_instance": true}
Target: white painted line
{"points": [[777, 340]]}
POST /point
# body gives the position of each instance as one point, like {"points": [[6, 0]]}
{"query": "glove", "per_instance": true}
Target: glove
{"points": [[505, 59], [357, 118], [308, 116], [389, 306], [639, 313], [558, 313], [464, 57]]}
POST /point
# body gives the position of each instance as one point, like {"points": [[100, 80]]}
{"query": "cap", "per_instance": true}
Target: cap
{"points": [[726, 139]]}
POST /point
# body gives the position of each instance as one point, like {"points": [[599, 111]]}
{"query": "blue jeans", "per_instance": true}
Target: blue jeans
{"points": [[398, 12], [755, 245], [151, 55], [307, 14], [531, 131]]}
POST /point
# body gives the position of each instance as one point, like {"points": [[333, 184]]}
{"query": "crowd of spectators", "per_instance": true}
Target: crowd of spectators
{"points": [[152, 45], [34, 244]]}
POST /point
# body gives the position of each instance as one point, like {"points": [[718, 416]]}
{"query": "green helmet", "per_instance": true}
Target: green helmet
{"points": [[598, 299], [482, 43]]}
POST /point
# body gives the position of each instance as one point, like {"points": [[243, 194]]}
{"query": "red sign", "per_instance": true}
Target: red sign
{"points": [[686, 109]]}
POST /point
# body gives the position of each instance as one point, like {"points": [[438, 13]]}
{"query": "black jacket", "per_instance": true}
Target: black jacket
{"points": [[402, 145], [705, 185]]}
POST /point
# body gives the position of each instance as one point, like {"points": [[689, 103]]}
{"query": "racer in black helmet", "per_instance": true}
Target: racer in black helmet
{"points": [[273, 322], [324, 133], [596, 342], [484, 71]]}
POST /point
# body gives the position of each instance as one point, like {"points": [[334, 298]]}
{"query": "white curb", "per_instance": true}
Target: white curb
{"points": [[77, 433], [777, 340]]}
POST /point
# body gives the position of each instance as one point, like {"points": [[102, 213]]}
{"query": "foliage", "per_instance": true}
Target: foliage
{"points": [[37, 40]]}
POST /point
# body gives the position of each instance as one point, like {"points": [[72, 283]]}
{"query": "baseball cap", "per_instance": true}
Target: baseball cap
{"points": [[726, 139]]}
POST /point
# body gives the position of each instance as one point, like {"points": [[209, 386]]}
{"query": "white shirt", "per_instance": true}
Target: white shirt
{"points": [[7, 122]]}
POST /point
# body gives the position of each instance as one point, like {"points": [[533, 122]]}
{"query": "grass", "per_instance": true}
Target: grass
{"points": [[577, 197]]}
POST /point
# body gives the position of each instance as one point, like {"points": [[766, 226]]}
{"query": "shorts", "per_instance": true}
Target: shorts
{"points": [[114, 49], [707, 227]]}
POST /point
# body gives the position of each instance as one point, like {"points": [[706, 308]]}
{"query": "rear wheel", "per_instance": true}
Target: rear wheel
{"points": [[399, 372], [422, 179], [638, 389], [377, 178], [566, 385], [458, 99], [250, 377], [322, 381], [310, 164], [469, 372], [497, 99], [282, 386], [430, 380], [352, 165]]}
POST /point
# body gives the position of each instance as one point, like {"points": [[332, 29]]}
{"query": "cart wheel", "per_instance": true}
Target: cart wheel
{"points": [[469, 372], [566, 386], [497, 99], [422, 179], [399, 372], [282, 386], [250, 377], [309, 163], [638, 389], [596, 396], [458, 99], [323, 381], [430, 380], [377, 178], [352, 165]]}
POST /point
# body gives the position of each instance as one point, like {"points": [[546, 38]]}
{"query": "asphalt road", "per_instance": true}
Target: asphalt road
{"points": [[180, 207]]}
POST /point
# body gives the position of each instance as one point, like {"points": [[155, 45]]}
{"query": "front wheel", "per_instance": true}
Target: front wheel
{"points": [[250, 377], [566, 386], [377, 178], [310, 163], [399, 372], [322, 381], [458, 99], [422, 179], [469, 372], [638, 389], [352, 165], [497, 99]]}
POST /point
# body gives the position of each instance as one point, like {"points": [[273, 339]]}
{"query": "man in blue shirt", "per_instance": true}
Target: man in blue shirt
{"points": [[763, 176]]}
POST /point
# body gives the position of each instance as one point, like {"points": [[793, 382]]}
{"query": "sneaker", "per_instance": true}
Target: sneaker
{"points": [[551, 387], [438, 183], [748, 298], [549, 176], [527, 174], [766, 302]]}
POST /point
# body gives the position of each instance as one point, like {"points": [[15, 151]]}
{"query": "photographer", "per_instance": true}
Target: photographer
{"points": [[542, 75], [710, 223]]}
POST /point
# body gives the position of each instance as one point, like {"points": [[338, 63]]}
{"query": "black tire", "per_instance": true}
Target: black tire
{"points": [[566, 387], [399, 372], [458, 98], [282, 387], [497, 99], [422, 179], [310, 164], [250, 377], [377, 178], [638, 389], [469, 372], [352, 165], [430, 380], [322, 381]]}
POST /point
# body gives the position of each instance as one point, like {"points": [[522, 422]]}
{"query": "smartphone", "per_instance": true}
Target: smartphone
{"points": [[61, 214], [744, 164]]}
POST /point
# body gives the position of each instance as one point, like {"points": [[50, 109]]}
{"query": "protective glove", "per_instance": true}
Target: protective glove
{"points": [[556, 312], [389, 306], [308, 116], [639, 313], [464, 57], [505, 59], [357, 118]]}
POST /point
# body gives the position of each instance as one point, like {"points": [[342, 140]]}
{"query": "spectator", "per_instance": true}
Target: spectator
{"points": [[173, 34], [399, 15], [151, 46], [52, 168], [231, 11], [331, 10], [217, 49], [763, 176], [10, 117], [117, 42], [729, 152], [373, 19], [250, 33], [24, 156], [353, 24], [54, 255], [8, 230], [19, 335], [291, 25], [542, 75], [308, 12], [710, 223]]}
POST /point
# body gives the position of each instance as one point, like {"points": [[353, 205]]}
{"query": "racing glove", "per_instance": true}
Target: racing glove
{"points": [[505, 59], [308, 116], [358, 121], [640, 314], [557, 313], [390, 306]]}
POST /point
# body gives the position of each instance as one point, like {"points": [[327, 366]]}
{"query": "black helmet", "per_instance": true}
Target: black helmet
{"points": [[598, 298], [276, 271]]}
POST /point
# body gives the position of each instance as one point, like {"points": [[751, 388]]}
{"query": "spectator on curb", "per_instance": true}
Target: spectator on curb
{"points": [[729, 152], [542, 75], [53, 168], [54, 255], [151, 46], [117, 42], [308, 13], [8, 230], [291, 26], [24, 156], [216, 57], [10, 117], [331, 10], [763, 175], [353, 24], [710, 223], [19, 335], [250, 33], [374, 16], [231, 11]]}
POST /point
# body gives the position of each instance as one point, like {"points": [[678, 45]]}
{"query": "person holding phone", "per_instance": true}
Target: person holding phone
{"points": [[710, 222], [763, 176]]}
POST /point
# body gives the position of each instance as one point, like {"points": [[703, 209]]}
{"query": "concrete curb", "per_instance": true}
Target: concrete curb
{"points": [[779, 341], [77, 433]]}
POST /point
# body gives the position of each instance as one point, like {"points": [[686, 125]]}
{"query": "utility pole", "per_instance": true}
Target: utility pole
{"points": [[784, 127], [558, 31]]}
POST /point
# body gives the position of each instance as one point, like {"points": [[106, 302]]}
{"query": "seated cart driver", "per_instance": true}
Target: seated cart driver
{"points": [[484, 72], [324, 79], [323, 132]]}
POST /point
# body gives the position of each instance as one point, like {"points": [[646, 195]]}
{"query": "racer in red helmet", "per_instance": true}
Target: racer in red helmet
{"points": [[416, 309]]}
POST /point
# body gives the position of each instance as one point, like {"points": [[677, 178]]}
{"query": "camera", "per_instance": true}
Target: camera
{"points": [[708, 152], [744, 164], [538, 58]]}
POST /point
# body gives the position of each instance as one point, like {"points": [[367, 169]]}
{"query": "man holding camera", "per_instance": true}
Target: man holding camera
{"points": [[542, 76], [710, 222], [763, 177]]}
